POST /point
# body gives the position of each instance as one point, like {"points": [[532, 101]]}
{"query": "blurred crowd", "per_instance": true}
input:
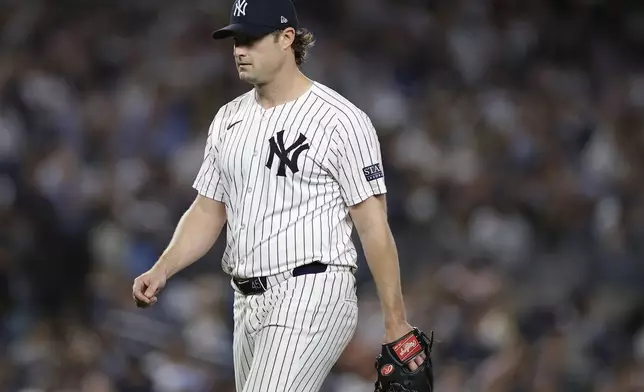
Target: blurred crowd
{"points": [[513, 137]]}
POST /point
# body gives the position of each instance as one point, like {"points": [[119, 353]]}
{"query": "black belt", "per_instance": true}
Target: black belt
{"points": [[258, 285]]}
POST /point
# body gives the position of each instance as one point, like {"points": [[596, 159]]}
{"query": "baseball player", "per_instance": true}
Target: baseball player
{"points": [[289, 167]]}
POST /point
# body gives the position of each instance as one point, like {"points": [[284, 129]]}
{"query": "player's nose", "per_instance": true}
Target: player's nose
{"points": [[240, 52]]}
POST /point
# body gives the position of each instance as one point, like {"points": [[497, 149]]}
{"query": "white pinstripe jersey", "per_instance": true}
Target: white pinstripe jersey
{"points": [[287, 176]]}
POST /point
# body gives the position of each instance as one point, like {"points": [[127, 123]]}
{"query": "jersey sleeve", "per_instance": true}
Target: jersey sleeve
{"points": [[357, 159], [209, 182]]}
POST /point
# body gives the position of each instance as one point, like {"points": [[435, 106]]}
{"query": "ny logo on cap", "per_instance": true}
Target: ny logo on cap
{"points": [[240, 8]]}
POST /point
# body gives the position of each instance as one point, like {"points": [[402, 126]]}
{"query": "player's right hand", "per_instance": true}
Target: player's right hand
{"points": [[147, 286]]}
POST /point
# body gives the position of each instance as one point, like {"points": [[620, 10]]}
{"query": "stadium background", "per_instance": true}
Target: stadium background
{"points": [[513, 136]]}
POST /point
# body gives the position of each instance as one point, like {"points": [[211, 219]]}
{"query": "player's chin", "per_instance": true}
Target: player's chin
{"points": [[249, 77], [246, 76]]}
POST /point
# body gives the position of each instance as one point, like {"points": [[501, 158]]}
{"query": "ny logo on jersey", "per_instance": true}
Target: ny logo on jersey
{"points": [[240, 8], [282, 152]]}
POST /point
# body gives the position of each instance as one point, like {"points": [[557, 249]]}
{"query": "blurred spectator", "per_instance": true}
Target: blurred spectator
{"points": [[134, 379], [512, 136]]}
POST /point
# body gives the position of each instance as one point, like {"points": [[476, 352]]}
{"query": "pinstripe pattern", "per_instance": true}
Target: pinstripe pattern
{"points": [[288, 338], [278, 223]]}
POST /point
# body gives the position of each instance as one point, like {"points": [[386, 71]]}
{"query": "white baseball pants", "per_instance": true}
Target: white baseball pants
{"points": [[288, 338]]}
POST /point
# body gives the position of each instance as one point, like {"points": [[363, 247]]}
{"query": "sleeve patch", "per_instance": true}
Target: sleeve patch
{"points": [[372, 172]]}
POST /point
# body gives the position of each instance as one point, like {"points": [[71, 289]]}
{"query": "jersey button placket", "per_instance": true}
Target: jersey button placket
{"points": [[242, 228]]}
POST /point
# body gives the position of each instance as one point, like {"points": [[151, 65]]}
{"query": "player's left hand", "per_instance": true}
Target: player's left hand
{"points": [[398, 357], [398, 331]]}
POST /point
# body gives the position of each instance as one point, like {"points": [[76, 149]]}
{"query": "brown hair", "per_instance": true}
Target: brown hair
{"points": [[303, 41]]}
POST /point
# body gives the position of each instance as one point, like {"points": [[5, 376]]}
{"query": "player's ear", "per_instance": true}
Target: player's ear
{"points": [[287, 37]]}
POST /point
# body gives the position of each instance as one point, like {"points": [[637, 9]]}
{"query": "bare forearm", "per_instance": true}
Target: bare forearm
{"points": [[382, 258], [196, 233]]}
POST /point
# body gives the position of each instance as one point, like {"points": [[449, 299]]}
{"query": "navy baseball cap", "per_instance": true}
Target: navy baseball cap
{"points": [[257, 18]]}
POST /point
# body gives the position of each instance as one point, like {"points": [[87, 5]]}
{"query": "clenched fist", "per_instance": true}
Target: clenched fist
{"points": [[147, 286]]}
